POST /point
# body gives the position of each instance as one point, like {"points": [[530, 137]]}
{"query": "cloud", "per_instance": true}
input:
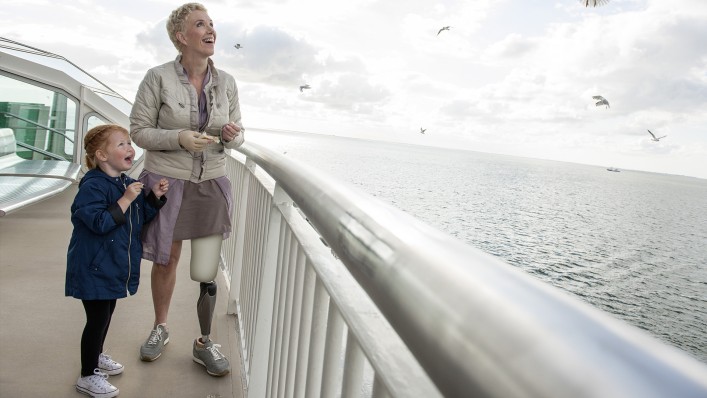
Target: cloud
{"points": [[271, 55], [513, 46], [155, 41], [348, 91], [631, 58]]}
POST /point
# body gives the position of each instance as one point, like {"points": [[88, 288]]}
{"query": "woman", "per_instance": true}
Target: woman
{"points": [[185, 114]]}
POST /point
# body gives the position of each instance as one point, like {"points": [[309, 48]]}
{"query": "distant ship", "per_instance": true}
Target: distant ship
{"points": [[614, 169]]}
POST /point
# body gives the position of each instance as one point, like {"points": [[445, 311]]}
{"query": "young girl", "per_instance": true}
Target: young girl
{"points": [[103, 261]]}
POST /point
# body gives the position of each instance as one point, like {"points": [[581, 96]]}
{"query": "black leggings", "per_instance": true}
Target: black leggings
{"points": [[98, 315]]}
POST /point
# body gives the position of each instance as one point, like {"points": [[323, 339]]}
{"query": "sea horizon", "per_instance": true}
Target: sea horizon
{"points": [[621, 169]]}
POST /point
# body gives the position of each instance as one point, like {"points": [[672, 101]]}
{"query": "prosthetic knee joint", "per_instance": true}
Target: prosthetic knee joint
{"points": [[205, 308]]}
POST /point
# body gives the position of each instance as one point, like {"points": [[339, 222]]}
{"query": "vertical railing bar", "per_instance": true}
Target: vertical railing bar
{"points": [[236, 263], [310, 279], [320, 311], [249, 266], [331, 374], [287, 307], [240, 263], [226, 249], [258, 271], [246, 280], [258, 235], [239, 220], [354, 361], [295, 319], [278, 313]]}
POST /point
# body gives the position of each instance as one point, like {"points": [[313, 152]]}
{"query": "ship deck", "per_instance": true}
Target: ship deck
{"points": [[41, 328]]}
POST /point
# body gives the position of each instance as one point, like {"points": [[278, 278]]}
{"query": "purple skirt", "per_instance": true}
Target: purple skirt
{"points": [[193, 210]]}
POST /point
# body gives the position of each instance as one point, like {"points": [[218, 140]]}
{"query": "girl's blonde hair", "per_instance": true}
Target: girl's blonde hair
{"points": [[175, 22], [96, 139]]}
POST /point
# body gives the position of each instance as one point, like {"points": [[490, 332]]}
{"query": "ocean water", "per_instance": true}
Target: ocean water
{"points": [[633, 244]]}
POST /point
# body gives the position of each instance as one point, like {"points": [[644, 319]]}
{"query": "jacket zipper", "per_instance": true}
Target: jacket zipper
{"points": [[210, 99], [130, 242]]}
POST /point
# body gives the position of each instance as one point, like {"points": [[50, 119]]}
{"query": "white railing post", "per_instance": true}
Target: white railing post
{"points": [[318, 329], [241, 206], [257, 374], [305, 329], [332, 372], [353, 368]]}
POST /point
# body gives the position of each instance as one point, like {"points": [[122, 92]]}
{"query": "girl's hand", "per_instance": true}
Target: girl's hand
{"points": [[160, 188], [133, 190]]}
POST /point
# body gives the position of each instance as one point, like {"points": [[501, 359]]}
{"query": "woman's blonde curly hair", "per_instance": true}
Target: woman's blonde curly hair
{"points": [[175, 22]]}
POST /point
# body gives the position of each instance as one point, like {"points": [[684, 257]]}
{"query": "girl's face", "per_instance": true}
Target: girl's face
{"points": [[199, 36], [118, 154]]}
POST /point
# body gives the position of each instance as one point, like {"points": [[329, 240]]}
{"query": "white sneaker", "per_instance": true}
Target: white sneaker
{"points": [[109, 366], [96, 385]]}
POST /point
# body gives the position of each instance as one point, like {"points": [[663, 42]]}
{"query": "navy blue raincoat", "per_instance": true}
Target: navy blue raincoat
{"points": [[103, 260]]}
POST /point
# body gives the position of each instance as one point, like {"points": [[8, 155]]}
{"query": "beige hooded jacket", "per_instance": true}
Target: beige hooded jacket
{"points": [[166, 104]]}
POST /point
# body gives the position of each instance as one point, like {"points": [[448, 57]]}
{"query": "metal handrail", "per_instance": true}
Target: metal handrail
{"points": [[41, 126], [478, 326], [41, 151]]}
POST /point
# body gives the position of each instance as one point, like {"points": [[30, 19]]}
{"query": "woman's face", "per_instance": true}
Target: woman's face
{"points": [[199, 36]]}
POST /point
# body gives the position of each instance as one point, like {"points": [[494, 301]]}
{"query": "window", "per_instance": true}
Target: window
{"points": [[42, 120]]}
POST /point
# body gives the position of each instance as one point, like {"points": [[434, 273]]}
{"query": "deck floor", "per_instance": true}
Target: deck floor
{"points": [[40, 328]]}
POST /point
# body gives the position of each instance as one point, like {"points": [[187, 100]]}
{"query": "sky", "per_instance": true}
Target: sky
{"points": [[513, 77]]}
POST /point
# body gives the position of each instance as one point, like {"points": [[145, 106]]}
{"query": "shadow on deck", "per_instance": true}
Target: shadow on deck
{"points": [[40, 328]]}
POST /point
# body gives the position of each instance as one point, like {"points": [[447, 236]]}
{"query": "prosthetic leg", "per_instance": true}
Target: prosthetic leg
{"points": [[205, 256], [205, 308]]}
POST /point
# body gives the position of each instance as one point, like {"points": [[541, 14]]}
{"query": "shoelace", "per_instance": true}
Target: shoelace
{"points": [[97, 378], [155, 336], [213, 349], [97, 372], [106, 360]]}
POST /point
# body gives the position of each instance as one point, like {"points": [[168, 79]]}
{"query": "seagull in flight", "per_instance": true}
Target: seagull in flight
{"points": [[238, 46], [306, 86], [593, 3], [601, 101], [443, 28], [654, 137], [422, 131]]}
